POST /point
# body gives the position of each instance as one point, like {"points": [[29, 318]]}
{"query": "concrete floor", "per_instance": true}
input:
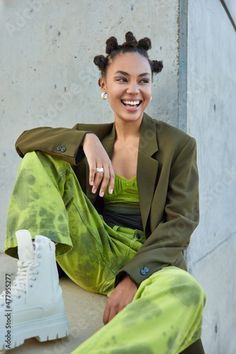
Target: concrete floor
{"points": [[84, 311]]}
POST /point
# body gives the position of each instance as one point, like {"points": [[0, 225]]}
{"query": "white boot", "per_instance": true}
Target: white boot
{"points": [[33, 305]]}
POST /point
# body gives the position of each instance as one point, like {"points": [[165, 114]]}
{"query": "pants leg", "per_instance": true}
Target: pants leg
{"points": [[165, 315], [48, 200], [163, 318]]}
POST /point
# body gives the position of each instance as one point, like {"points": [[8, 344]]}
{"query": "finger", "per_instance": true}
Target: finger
{"points": [[105, 180], [112, 180], [106, 313], [92, 173], [97, 176], [112, 314], [97, 181]]}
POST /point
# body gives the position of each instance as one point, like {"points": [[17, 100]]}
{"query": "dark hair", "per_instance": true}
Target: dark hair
{"points": [[130, 45]]}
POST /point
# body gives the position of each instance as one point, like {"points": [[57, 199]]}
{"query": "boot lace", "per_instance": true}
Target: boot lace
{"points": [[26, 274]]}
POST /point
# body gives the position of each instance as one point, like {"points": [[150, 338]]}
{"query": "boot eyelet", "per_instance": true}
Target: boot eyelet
{"points": [[19, 296], [31, 286]]}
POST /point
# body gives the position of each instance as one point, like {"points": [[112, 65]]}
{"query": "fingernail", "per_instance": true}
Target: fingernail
{"points": [[101, 194], [94, 190], [110, 190], [91, 183]]}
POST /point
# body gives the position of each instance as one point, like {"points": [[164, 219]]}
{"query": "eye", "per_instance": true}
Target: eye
{"points": [[120, 79], [144, 81]]}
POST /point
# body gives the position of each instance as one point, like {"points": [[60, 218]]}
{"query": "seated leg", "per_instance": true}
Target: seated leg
{"points": [[164, 317]]}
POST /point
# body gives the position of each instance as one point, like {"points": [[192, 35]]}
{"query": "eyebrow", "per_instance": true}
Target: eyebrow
{"points": [[126, 74]]}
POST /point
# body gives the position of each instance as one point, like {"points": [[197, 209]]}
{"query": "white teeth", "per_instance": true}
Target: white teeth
{"points": [[131, 103]]}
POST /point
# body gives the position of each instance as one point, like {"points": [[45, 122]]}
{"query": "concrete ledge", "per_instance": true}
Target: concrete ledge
{"points": [[84, 311]]}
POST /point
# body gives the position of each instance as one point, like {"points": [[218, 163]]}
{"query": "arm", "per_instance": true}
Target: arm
{"points": [[63, 143], [71, 145], [166, 243]]}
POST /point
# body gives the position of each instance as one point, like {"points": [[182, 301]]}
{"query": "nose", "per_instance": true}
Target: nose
{"points": [[133, 88]]}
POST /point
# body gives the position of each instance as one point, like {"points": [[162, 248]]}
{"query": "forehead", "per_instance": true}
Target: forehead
{"points": [[131, 63]]}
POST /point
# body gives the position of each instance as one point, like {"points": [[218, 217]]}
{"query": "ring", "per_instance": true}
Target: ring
{"points": [[100, 169]]}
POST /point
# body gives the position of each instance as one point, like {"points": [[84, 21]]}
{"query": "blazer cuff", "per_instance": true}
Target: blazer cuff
{"points": [[137, 273]]}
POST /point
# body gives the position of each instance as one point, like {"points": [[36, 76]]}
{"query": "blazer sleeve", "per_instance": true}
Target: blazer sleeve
{"points": [[165, 245], [63, 143]]}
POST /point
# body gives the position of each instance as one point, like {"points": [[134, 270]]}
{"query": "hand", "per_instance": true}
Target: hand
{"points": [[97, 157], [121, 296]]}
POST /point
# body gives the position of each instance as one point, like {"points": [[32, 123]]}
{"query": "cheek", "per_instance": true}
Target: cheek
{"points": [[113, 97], [149, 90], [114, 94], [148, 94]]}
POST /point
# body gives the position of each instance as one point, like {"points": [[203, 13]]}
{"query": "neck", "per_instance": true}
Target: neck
{"points": [[126, 130]]}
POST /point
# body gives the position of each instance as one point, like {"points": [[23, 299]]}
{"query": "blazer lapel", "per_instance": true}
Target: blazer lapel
{"points": [[147, 166]]}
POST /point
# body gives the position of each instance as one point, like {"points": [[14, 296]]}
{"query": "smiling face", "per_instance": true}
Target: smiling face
{"points": [[128, 84]]}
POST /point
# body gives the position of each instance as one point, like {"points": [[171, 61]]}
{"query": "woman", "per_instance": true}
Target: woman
{"points": [[120, 202]]}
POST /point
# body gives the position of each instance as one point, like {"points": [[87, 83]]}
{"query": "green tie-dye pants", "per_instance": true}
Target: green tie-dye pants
{"points": [[165, 314]]}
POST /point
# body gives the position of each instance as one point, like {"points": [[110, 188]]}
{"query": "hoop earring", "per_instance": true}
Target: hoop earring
{"points": [[104, 95]]}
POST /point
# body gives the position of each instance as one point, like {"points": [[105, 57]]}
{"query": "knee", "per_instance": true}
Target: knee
{"points": [[175, 282], [29, 156], [188, 290], [32, 158], [44, 160]]}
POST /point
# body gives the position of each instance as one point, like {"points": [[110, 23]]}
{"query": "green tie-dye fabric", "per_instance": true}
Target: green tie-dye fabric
{"points": [[165, 314]]}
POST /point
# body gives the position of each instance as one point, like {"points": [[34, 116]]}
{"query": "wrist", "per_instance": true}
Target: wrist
{"points": [[129, 281], [88, 137]]}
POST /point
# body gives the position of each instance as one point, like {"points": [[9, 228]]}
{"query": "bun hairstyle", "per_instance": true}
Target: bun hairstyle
{"points": [[130, 45]]}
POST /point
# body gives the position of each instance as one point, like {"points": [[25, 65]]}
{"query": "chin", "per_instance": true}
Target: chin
{"points": [[130, 117]]}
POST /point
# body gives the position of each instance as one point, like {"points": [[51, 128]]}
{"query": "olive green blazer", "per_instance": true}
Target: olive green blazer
{"points": [[167, 179]]}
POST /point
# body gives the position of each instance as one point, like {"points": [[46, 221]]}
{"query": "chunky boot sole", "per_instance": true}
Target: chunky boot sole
{"points": [[44, 329]]}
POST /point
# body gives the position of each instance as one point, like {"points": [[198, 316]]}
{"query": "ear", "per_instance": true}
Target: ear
{"points": [[102, 84]]}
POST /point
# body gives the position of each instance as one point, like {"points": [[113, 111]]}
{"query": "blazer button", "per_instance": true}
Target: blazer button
{"points": [[60, 148], [145, 270]]}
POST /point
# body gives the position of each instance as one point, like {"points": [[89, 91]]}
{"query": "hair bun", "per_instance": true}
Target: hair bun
{"points": [[130, 45], [111, 45], [145, 43], [100, 61], [130, 40], [157, 66]]}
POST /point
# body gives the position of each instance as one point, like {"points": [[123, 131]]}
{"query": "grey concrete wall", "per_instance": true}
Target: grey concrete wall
{"points": [[48, 78], [211, 108], [47, 73], [231, 7]]}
